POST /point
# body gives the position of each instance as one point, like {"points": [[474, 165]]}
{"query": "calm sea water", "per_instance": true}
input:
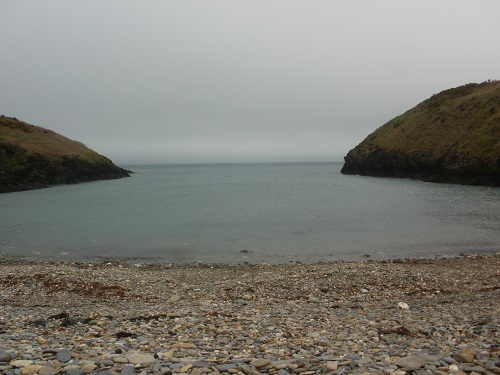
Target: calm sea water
{"points": [[273, 213]]}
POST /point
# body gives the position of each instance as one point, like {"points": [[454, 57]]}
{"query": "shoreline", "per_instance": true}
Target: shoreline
{"points": [[410, 315], [245, 261]]}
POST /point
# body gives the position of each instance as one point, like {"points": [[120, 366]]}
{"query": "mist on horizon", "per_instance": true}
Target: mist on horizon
{"points": [[223, 81]]}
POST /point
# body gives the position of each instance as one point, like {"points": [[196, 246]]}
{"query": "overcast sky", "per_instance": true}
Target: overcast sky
{"points": [[235, 81]]}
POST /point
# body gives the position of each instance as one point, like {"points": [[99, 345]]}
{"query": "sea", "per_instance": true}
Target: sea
{"points": [[249, 213]]}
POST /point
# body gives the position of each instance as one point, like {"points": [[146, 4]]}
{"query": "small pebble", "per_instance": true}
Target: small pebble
{"points": [[245, 319]]}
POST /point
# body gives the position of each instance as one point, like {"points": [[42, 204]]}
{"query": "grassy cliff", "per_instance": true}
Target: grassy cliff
{"points": [[32, 157], [453, 136]]}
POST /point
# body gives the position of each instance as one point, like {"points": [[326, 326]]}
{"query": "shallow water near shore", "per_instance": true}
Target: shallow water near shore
{"points": [[255, 213]]}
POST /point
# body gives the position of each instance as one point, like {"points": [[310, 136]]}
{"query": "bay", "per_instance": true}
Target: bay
{"points": [[230, 213]]}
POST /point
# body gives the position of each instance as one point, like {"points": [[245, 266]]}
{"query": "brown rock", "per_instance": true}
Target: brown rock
{"points": [[463, 357], [411, 362], [261, 363], [31, 369], [332, 365]]}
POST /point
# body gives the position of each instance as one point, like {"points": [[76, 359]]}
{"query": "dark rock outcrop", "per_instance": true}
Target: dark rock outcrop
{"points": [[452, 137], [32, 157]]}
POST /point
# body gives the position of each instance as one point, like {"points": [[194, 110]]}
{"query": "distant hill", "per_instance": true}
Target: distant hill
{"points": [[32, 157], [453, 137]]}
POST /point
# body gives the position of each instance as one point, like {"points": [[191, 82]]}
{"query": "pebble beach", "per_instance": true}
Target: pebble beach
{"points": [[406, 316]]}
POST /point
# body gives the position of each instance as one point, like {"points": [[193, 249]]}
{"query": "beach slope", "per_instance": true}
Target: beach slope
{"points": [[433, 316]]}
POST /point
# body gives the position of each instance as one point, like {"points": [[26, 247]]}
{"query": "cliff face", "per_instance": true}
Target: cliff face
{"points": [[453, 137], [32, 157]]}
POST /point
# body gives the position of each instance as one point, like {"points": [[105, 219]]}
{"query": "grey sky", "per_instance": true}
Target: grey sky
{"points": [[231, 81]]}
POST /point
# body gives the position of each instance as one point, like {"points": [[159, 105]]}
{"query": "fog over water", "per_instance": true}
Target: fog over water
{"points": [[231, 81]]}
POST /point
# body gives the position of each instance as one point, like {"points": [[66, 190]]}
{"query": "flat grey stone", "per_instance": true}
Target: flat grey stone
{"points": [[411, 362], [226, 366], [489, 364], [141, 359], [119, 359], [47, 370], [353, 365], [4, 356], [201, 364], [128, 370], [364, 361], [21, 363], [107, 362], [96, 360], [261, 362], [74, 371], [478, 369], [174, 366], [427, 357], [64, 355]]}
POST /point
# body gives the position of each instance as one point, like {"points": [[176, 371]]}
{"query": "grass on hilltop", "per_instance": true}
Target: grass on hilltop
{"points": [[37, 140], [32, 157], [455, 133]]}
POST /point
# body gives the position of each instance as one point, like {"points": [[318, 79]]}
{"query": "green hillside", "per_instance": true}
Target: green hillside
{"points": [[454, 136], [32, 157]]}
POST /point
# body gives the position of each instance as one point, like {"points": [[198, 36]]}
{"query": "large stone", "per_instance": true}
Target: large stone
{"points": [[332, 365], [201, 364], [74, 370], [448, 360], [4, 356], [107, 372], [21, 363], [463, 357], [429, 358], [89, 367], [120, 359], [141, 359], [177, 366], [411, 362], [64, 355], [31, 369], [403, 305], [261, 363], [478, 369], [128, 370], [184, 369], [226, 366], [47, 370]]}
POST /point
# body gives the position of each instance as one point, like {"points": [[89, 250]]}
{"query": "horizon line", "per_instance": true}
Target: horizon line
{"points": [[229, 163]]}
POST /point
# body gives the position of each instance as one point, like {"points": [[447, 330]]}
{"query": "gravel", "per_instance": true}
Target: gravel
{"points": [[407, 316]]}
